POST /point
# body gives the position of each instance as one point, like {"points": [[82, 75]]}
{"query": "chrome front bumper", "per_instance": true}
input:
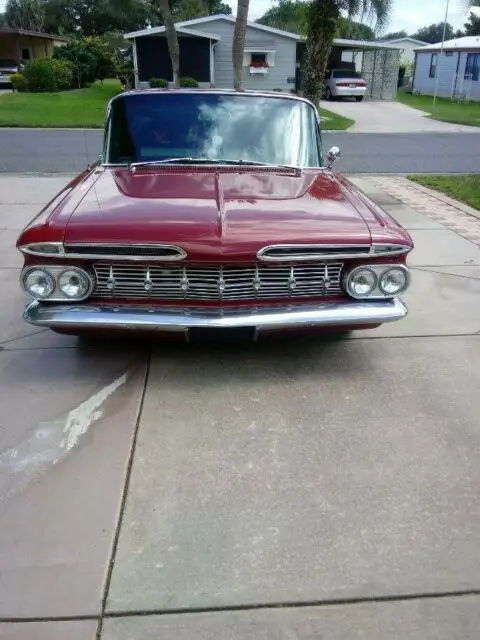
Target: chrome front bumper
{"points": [[103, 316]]}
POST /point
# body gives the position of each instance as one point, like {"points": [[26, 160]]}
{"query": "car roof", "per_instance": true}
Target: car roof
{"points": [[225, 92]]}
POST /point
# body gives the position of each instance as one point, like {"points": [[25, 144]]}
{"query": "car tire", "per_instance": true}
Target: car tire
{"points": [[359, 98]]}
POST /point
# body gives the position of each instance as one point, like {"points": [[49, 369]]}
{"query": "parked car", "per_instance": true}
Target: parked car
{"points": [[213, 210], [7, 68], [345, 83]]}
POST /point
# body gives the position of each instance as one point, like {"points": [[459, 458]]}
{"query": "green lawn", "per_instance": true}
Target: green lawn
{"points": [[79, 108], [463, 188], [334, 122], [445, 110], [86, 108]]}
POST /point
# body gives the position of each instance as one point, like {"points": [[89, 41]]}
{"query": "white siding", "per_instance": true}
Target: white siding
{"points": [[276, 78], [446, 70]]}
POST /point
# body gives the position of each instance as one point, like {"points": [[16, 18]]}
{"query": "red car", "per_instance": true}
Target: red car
{"points": [[213, 210]]}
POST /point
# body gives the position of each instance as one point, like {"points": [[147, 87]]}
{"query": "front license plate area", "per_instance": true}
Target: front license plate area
{"points": [[239, 334]]}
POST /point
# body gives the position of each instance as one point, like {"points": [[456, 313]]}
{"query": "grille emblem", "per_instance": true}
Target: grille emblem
{"points": [[111, 282], [184, 283], [148, 284]]}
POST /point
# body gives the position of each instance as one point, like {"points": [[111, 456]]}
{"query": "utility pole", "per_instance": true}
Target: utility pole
{"points": [[437, 71]]}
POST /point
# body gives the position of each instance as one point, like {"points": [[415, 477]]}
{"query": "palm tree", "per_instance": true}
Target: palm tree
{"points": [[172, 40], [323, 19], [239, 42]]}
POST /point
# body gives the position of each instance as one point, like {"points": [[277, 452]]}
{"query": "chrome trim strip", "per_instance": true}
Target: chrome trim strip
{"points": [[181, 254], [26, 248], [343, 251], [96, 316]]}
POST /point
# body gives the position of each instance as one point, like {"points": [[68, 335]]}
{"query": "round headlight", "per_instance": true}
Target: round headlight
{"points": [[74, 283], [361, 283], [39, 283], [393, 281]]}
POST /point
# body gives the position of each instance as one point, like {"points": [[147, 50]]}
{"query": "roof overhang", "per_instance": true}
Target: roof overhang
{"points": [[205, 20], [31, 34], [160, 31]]}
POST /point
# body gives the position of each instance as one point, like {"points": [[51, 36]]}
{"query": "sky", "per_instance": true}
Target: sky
{"points": [[407, 14]]}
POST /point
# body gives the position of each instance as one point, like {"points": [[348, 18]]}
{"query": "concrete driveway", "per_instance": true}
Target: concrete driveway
{"points": [[291, 489], [390, 117]]}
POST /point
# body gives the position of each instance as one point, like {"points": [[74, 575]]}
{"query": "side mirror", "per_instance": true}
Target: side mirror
{"points": [[332, 155]]}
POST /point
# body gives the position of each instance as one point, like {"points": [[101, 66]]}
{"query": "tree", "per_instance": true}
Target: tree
{"points": [[434, 33], [354, 30], [189, 9], [3, 21], [288, 15], [395, 35], [25, 14], [95, 17], [323, 21], [172, 40], [238, 46], [472, 27]]}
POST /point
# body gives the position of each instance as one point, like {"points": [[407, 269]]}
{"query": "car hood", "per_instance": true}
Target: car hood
{"points": [[216, 214]]}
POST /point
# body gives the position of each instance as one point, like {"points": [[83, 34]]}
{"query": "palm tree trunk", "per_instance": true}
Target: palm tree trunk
{"points": [[172, 40], [239, 42], [323, 17]]}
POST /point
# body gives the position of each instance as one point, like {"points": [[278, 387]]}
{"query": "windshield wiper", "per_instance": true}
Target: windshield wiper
{"points": [[190, 160]]}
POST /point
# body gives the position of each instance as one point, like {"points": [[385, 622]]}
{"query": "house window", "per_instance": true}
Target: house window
{"points": [[258, 60], [472, 68], [433, 65]]}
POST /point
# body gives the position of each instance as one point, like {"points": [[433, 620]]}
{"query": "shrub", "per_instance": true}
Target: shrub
{"points": [[158, 83], [103, 52], [126, 74], [84, 63], [188, 82], [19, 82], [63, 70], [278, 89], [40, 75]]}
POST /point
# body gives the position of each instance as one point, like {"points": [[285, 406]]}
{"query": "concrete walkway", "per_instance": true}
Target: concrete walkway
{"points": [[290, 489], [391, 117]]}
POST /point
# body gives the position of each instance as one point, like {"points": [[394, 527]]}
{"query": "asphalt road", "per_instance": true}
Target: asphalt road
{"points": [[67, 151]]}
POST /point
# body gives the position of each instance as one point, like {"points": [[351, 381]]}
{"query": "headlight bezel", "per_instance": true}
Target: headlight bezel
{"points": [[55, 272], [380, 270]]}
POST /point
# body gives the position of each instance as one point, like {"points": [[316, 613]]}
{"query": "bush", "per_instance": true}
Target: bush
{"points": [[19, 82], [126, 75], [84, 63], [278, 89], [63, 70], [188, 82], [158, 83], [40, 75], [101, 49]]}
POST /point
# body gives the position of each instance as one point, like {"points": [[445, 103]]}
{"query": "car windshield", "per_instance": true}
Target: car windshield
{"points": [[345, 73], [153, 127], [4, 62]]}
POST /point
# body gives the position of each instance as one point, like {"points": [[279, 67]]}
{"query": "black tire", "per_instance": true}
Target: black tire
{"points": [[359, 98]]}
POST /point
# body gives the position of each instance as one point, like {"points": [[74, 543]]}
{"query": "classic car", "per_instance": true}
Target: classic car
{"points": [[212, 210], [344, 83]]}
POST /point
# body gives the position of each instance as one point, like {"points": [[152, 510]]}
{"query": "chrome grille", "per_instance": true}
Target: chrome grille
{"points": [[216, 283]]}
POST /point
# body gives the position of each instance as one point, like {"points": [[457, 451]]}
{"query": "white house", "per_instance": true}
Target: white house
{"points": [[408, 46], [272, 60], [454, 72]]}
